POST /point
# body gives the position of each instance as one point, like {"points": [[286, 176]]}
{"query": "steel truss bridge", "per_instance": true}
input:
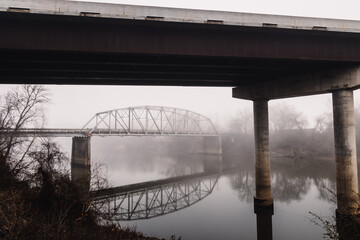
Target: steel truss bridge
{"points": [[151, 199], [133, 121]]}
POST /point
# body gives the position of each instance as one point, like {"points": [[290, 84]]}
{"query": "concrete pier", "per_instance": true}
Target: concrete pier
{"points": [[80, 162], [212, 153], [212, 145], [345, 152], [263, 195]]}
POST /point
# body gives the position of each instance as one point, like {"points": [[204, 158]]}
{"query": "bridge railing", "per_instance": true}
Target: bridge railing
{"points": [[22, 132]]}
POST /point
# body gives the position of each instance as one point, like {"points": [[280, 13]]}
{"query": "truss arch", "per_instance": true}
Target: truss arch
{"points": [[150, 120]]}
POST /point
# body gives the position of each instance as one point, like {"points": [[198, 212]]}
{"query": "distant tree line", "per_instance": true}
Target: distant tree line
{"points": [[290, 133]]}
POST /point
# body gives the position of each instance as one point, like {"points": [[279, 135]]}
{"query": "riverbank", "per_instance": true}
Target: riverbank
{"points": [[47, 205]]}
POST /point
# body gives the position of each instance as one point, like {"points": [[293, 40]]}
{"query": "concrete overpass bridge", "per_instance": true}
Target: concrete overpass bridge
{"points": [[263, 57], [69, 42]]}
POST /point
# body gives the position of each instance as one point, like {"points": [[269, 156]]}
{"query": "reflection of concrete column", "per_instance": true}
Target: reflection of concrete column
{"points": [[212, 163], [263, 224], [345, 152], [80, 162], [262, 158], [347, 226]]}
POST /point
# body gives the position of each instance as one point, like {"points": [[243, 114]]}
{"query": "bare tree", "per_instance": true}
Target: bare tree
{"points": [[21, 107], [284, 116], [323, 123], [243, 122], [244, 183]]}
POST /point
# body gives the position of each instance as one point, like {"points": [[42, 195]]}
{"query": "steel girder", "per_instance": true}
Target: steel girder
{"points": [[149, 120]]}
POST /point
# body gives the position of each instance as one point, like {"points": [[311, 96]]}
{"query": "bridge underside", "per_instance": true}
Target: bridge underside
{"points": [[54, 67], [50, 49]]}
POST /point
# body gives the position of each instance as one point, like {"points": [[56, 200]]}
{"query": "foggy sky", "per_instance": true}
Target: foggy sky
{"points": [[72, 106], [345, 9]]}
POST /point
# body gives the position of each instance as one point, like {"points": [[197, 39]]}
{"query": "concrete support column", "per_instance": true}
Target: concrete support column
{"points": [[80, 162], [345, 152], [212, 153], [212, 145], [263, 195]]}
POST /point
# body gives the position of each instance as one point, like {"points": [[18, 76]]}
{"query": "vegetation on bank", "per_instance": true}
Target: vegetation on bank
{"points": [[45, 204], [37, 198], [338, 226]]}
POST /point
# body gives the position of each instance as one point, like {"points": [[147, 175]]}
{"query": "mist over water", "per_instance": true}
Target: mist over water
{"points": [[228, 211]]}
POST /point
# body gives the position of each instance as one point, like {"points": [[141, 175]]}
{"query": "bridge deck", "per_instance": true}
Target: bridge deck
{"points": [[71, 132], [121, 11], [69, 42]]}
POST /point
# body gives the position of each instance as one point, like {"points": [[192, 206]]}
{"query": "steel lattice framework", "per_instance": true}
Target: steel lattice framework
{"points": [[132, 121], [149, 120], [156, 200]]}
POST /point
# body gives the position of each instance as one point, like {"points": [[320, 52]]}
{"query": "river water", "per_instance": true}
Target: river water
{"points": [[226, 210]]}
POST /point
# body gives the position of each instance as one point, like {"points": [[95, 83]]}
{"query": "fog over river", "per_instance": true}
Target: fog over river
{"points": [[226, 208]]}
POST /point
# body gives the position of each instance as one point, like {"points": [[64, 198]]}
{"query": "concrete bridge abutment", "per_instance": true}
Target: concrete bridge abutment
{"points": [[80, 162]]}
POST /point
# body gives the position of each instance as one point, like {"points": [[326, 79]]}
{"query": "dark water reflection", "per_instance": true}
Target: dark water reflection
{"points": [[264, 226], [228, 212], [291, 179], [154, 198]]}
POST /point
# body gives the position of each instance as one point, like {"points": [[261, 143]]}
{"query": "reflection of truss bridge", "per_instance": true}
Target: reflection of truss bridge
{"points": [[152, 199]]}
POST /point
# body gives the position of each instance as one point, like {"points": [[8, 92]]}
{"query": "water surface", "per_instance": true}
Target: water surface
{"points": [[227, 212]]}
